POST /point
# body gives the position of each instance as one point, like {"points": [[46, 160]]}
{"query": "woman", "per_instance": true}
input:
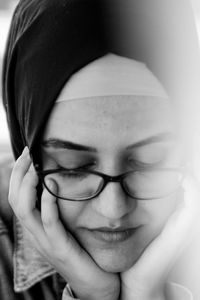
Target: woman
{"points": [[104, 196]]}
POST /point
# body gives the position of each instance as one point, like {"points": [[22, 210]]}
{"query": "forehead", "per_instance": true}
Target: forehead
{"points": [[108, 117]]}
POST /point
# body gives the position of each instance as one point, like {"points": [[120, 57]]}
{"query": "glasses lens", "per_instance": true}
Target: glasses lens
{"points": [[75, 185], [152, 184]]}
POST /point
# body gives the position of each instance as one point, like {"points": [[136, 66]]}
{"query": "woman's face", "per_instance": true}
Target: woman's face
{"points": [[113, 135]]}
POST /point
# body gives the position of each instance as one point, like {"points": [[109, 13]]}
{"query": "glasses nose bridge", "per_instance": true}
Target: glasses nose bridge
{"points": [[117, 178], [113, 179]]}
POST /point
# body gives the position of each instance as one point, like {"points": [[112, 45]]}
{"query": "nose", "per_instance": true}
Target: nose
{"points": [[113, 203]]}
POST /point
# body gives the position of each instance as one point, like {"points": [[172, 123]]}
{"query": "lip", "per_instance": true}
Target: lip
{"points": [[110, 235]]}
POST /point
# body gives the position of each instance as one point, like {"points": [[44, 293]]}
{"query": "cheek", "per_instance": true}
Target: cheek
{"points": [[156, 212], [160, 210], [70, 213]]}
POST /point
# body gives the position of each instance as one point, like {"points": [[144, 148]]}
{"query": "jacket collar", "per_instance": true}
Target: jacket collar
{"points": [[29, 265]]}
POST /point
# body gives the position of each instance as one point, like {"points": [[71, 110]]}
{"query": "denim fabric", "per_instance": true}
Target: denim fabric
{"points": [[23, 273]]}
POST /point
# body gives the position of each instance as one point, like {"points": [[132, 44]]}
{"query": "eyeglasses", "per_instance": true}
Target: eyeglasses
{"points": [[82, 185]]}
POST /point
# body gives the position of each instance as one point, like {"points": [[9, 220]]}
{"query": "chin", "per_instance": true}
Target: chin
{"points": [[112, 268], [115, 262], [115, 257]]}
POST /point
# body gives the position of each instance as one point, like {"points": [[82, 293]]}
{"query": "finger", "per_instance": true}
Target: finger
{"points": [[28, 190], [20, 168], [25, 208], [73, 262], [161, 254], [50, 218], [60, 239]]}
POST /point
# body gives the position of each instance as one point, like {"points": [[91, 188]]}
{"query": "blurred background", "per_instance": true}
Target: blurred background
{"points": [[6, 10]]}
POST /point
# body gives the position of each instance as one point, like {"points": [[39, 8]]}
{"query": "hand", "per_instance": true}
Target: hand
{"points": [[52, 240], [146, 280]]}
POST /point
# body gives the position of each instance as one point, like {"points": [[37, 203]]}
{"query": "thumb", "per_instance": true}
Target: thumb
{"points": [[162, 253]]}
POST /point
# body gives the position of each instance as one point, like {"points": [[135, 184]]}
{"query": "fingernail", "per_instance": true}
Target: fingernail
{"points": [[25, 152], [51, 183]]}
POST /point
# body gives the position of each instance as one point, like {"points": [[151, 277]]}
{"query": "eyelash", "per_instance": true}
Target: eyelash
{"points": [[136, 163], [74, 174], [83, 167]]}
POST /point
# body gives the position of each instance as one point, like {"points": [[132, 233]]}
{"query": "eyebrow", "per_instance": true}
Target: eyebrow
{"points": [[161, 137], [63, 144]]}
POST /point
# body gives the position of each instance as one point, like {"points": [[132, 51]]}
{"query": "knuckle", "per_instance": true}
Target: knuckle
{"points": [[59, 255], [17, 169], [28, 176], [47, 221], [22, 215], [30, 179], [11, 198]]}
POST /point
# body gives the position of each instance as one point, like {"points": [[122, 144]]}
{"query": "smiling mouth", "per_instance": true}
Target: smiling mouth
{"points": [[112, 236]]}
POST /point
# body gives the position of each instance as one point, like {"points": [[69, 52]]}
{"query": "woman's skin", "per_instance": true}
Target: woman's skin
{"points": [[113, 245], [110, 126]]}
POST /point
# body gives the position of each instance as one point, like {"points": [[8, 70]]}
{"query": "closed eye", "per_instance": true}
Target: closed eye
{"points": [[72, 174], [84, 167], [135, 164]]}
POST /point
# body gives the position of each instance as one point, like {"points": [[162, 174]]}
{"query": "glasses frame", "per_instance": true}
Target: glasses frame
{"points": [[106, 179]]}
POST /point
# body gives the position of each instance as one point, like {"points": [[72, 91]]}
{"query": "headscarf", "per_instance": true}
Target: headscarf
{"points": [[48, 41], [51, 40]]}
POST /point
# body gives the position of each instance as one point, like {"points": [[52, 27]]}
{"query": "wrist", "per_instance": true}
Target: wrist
{"points": [[94, 294]]}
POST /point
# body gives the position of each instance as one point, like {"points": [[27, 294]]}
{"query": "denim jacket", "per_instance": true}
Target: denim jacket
{"points": [[24, 274]]}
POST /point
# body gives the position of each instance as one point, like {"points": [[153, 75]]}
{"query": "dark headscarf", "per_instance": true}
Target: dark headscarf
{"points": [[49, 40]]}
